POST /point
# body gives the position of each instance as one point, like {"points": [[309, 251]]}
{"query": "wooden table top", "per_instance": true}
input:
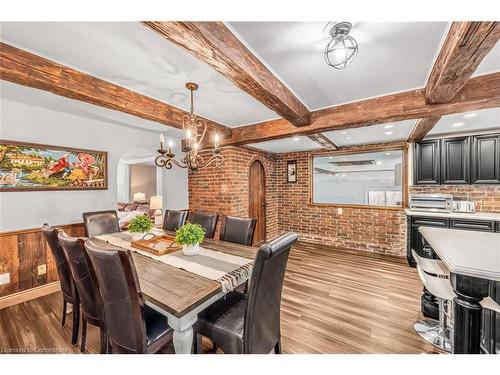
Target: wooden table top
{"points": [[178, 291]]}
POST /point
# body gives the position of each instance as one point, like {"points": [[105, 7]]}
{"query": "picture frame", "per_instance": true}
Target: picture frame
{"points": [[40, 167], [291, 171]]}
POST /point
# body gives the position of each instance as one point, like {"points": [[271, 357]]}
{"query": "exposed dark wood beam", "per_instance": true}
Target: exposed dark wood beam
{"points": [[323, 141], [466, 44], [214, 44], [422, 127], [30, 70], [478, 93]]}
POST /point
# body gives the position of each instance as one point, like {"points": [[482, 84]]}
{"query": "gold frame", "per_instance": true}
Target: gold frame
{"points": [[359, 150]]}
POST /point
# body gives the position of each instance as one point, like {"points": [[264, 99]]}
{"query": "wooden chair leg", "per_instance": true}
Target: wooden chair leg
{"points": [[277, 347], [104, 341], [76, 323], [64, 312], [84, 335]]}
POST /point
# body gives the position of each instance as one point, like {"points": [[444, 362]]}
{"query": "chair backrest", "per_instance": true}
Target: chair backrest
{"points": [[262, 316], [207, 221], [87, 291], [238, 230], [174, 219], [50, 235], [100, 222], [114, 270]]}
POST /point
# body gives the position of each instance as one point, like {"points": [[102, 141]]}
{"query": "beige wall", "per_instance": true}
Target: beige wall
{"points": [[142, 179]]}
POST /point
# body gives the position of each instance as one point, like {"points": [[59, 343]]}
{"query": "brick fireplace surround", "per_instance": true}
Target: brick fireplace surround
{"points": [[225, 191]]}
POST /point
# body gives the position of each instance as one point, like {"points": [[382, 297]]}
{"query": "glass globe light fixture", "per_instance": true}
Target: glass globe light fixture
{"points": [[343, 48]]}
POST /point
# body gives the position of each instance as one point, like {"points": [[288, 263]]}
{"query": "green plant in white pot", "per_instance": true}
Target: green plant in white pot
{"points": [[190, 236], [139, 226]]}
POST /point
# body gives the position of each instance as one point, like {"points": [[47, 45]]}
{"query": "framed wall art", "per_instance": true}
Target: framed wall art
{"points": [[291, 171], [31, 167]]}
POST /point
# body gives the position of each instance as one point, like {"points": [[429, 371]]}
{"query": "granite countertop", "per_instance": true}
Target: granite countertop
{"points": [[464, 252], [456, 215]]}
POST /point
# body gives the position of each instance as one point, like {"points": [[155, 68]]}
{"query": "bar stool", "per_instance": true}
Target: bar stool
{"points": [[431, 331]]}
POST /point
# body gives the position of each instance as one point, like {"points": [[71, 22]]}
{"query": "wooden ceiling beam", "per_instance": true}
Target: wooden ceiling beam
{"points": [[465, 46], [422, 127], [478, 93], [322, 140], [214, 44], [30, 70]]}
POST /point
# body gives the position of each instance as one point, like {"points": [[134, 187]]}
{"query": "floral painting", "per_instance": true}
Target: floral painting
{"points": [[27, 167]]}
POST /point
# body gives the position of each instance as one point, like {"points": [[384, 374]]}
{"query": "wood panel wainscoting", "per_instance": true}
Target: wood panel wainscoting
{"points": [[21, 253]]}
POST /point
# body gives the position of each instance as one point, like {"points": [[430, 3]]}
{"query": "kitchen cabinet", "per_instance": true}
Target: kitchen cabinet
{"points": [[455, 161], [486, 159], [427, 162]]}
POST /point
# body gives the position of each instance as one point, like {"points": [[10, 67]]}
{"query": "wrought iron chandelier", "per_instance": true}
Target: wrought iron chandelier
{"points": [[343, 48], [194, 131]]}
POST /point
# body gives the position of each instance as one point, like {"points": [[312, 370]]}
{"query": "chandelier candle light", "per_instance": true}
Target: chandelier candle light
{"points": [[194, 129]]}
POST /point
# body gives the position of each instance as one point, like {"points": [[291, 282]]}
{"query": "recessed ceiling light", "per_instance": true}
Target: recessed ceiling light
{"points": [[470, 115], [387, 153], [457, 124], [348, 137], [379, 162], [343, 174], [388, 126], [389, 132], [330, 157], [296, 138], [344, 132]]}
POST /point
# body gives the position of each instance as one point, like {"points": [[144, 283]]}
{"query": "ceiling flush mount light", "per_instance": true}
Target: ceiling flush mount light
{"points": [[194, 129], [343, 48]]}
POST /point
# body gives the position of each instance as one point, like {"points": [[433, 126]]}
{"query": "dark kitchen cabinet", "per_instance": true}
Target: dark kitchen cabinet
{"points": [[485, 159], [455, 161], [427, 162]]}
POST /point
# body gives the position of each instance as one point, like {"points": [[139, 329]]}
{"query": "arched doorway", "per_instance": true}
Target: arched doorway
{"points": [[257, 199]]}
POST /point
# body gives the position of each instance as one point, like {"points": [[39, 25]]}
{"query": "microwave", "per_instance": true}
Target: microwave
{"points": [[431, 202]]}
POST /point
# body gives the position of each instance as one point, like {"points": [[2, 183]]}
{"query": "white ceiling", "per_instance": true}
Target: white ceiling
{"points": [[486, 119], [393, 56], [491, 63], [293, 144], [47, 100], [383, 160], [389, 132], [133, 56]]}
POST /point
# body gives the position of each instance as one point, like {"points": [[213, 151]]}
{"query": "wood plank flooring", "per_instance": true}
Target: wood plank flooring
{"points": [[334, 301]]}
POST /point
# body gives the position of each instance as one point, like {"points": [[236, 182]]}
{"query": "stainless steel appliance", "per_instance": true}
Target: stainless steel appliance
{"points": [[431, 202]]}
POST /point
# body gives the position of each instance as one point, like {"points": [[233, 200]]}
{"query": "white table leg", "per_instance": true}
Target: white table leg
{"points": [[183, 341]]}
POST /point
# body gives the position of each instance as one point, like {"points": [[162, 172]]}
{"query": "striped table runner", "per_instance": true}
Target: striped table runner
{"points": [[229, 270]]}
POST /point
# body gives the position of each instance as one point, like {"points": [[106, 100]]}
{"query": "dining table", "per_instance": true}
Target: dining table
{"points": [[179, 294]]}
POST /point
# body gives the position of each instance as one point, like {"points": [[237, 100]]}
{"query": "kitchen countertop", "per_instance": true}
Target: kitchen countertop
{"points": [[465, 252], [456, 215]]}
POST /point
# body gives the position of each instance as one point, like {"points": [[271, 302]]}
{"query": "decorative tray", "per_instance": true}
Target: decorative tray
{"points": [[159, 245]]}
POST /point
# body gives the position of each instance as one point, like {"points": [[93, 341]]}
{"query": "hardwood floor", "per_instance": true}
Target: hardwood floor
{"points": [[334, 301]]}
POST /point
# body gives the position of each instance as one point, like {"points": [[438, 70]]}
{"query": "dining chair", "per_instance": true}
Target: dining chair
{"points": [[69, 293], [250, 323], [87, 289], [174, 219], [207, 221], [238, 230], [100, 222], [132, 326]]}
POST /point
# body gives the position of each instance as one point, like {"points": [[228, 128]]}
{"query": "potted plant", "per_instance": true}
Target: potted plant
{"points": [[139, 226], [190, 236]]}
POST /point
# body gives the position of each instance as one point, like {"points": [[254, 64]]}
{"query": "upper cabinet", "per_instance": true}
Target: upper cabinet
{"points": [[486, 159], [455, 161], [427, 163], [461, 160]]}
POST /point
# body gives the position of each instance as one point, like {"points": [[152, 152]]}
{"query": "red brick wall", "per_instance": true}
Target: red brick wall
{"points": [[376, 230], [225, 190], [487, 198]]}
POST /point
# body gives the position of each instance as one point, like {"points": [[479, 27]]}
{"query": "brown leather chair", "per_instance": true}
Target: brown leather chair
{"points": [[133, 327], [100, 222], [250, 323], [238, 230], [87, 289], [207, 221], [174, 219], [68, 289]]}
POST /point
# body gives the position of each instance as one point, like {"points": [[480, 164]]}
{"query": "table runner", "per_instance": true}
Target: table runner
{"points": [[229, 270]]}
